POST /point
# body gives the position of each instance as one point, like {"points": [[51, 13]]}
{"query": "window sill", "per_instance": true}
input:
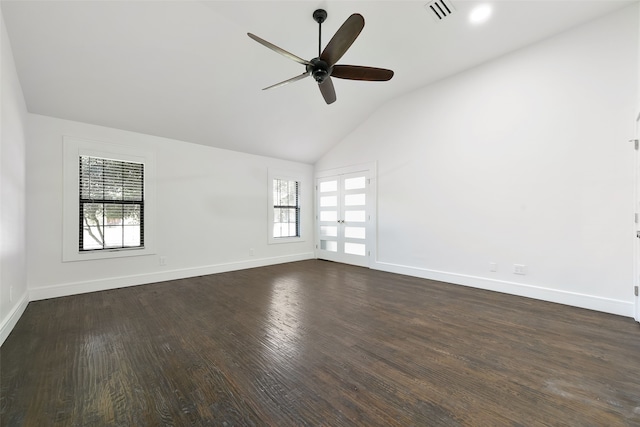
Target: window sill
{"points": [[106, 254], [278, 240]]}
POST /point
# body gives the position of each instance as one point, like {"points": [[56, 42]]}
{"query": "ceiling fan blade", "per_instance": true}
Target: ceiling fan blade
{"points": [[328, 91], [343, 39], [357, 72], [291, 80], [279, 50]]}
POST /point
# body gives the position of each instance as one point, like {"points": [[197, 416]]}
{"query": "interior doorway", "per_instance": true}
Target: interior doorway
{"points": [[345, 215]]}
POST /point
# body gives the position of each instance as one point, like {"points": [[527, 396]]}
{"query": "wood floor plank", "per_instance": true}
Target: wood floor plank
{"points": [[316, 343]]}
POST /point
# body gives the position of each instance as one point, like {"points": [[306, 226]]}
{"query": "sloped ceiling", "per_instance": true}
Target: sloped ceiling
{"points": [[187, 70]]}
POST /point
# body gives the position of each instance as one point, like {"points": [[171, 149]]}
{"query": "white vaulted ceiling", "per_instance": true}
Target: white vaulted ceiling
{"points": [[187, 70]]}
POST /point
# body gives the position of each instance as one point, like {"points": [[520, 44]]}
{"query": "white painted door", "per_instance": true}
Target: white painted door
{"points": [[344, 218]]}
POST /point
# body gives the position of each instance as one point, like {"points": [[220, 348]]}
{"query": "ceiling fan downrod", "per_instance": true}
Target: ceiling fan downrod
{"points": [[320, 15], [320, 69]]}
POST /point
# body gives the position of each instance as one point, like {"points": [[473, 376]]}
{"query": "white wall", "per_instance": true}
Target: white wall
{"points": [[636, 254], [523, 160], [211, 211], [13, 283]]}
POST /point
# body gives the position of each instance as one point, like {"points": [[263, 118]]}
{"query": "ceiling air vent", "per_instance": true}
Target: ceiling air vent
{"points": [[440, 9]]}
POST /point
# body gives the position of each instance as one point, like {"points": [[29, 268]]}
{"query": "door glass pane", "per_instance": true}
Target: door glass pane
{"points": [[354, 183], [354, 199], [328, 186], [328, 215], [355, 232], [329, 201], [329, 245], [354, 248], [355, 216], [329, 230]]}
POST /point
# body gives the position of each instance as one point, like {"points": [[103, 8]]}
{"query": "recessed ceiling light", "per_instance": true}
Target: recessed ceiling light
{"points": [[480, 14]]}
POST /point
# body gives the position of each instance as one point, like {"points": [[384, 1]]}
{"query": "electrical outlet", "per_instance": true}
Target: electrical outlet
{"points": [[252, 252], [493, 266], [11, 293], [519, 269], [162, 260]]}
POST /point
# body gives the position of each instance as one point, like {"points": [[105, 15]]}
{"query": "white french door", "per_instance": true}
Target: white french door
{"points": [[344, 218]]}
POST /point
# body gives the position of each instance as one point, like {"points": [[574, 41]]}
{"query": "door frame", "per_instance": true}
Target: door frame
{"points": [[636, 198], [370, 170]]}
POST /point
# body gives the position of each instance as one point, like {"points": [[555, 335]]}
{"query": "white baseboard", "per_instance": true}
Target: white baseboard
{"points": [[591, 302], [607, 305], [65, 289], [11, 319]]}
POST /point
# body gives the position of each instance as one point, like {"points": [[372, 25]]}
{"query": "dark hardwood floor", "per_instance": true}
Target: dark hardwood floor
{"points": [[317, 343]]}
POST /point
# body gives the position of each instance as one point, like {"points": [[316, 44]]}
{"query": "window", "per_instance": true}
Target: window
{"points": [[286, 208], [108, 200], [285, 200], [111, 204]]}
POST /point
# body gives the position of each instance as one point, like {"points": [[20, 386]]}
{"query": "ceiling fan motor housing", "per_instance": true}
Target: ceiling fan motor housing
{"points": [[320, 70]]}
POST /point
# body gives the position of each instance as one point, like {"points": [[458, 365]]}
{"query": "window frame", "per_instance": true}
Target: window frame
{"points": [[88, 200], [285, 176], [73, 148]]}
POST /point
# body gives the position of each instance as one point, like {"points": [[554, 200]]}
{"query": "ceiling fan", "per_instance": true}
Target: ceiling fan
{"points": [[323, 67]]}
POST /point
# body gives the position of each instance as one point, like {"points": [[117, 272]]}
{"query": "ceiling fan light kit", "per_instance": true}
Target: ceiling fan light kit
{"points": [[323, 67]]}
